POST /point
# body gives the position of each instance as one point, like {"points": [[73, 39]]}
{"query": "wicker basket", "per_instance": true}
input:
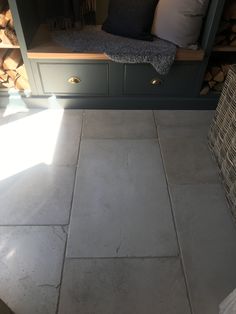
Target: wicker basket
{"points": [[222, 137]]}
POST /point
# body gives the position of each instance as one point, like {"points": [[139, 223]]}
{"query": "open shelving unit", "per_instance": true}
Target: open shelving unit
{"points": [[51, 67]]}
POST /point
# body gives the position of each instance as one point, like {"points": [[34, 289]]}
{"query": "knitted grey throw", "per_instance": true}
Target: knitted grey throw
{"points": [[159, 53]]}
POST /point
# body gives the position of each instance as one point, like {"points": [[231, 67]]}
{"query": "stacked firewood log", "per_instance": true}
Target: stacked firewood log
{"points": [[230, 10], [226, 41], [12, 70], [7, 31], [214, 78], [226, 35]]}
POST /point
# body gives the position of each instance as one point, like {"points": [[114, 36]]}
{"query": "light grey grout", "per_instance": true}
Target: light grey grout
{"points": [[124, 257], [71, 205], [175, 226], [34, 225], [118, 138]]}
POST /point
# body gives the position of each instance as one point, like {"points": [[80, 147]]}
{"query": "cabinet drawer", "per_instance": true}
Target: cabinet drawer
{"points": [[74, 78], [144, 80]]}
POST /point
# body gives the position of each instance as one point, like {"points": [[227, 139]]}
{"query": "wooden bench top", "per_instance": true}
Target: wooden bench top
{"points": [[43, 47]]}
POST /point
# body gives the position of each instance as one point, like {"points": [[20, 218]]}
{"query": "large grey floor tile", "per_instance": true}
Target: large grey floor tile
{"points": [[4, 309], [31, 263], [184, 117], [39, 195], [15, 113], [119, 124], [124, 286], [50, 136], [121, 205], [187, 157], [66, 152], [207, 237], [3, 119], [2, 110]]}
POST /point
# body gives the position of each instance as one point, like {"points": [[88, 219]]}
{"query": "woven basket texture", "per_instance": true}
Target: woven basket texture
{"points": [[222, 137]]}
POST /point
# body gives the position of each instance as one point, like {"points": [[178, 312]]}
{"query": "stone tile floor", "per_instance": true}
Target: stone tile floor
{"points": [[112, 212]]}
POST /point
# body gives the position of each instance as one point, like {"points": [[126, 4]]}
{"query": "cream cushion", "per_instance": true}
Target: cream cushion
{"points": [[179, 21]]}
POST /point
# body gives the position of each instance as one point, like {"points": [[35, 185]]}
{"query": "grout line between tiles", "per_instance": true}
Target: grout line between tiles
{"points": [[33, 225], [118, 138], [175, 226], [124, 257], [71, 205]]}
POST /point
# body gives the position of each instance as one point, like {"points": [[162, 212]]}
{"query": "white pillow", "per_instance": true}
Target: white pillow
{"points": [[179, 21]]}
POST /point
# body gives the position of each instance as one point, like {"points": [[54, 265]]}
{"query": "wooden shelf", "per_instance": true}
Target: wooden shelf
{"points": [[3, 89], [43, 47], [189, 55], [6, 44], [224, 49]]}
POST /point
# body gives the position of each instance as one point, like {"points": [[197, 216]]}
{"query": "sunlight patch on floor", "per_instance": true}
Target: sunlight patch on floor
{"points": [[29, 141], [16, 103]]}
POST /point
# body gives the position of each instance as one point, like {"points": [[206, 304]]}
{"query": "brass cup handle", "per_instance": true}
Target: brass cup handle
{"points": [[74, 80], [156, 81]]}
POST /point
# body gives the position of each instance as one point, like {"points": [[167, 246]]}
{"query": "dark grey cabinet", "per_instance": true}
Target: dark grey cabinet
{"points": [[52, 70], [100, 79]]}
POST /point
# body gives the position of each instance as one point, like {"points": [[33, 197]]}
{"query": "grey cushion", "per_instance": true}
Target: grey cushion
{"points": [[179, 21]]}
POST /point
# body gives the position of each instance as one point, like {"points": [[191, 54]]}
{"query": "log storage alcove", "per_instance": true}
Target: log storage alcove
{"points": [[12, 70], [224, 51]]}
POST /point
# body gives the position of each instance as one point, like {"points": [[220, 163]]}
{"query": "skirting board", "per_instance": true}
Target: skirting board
{"points": [[131, 103]]}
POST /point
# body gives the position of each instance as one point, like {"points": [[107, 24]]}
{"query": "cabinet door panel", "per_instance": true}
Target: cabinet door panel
{"points": [[70, 78], [144, 80]]}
